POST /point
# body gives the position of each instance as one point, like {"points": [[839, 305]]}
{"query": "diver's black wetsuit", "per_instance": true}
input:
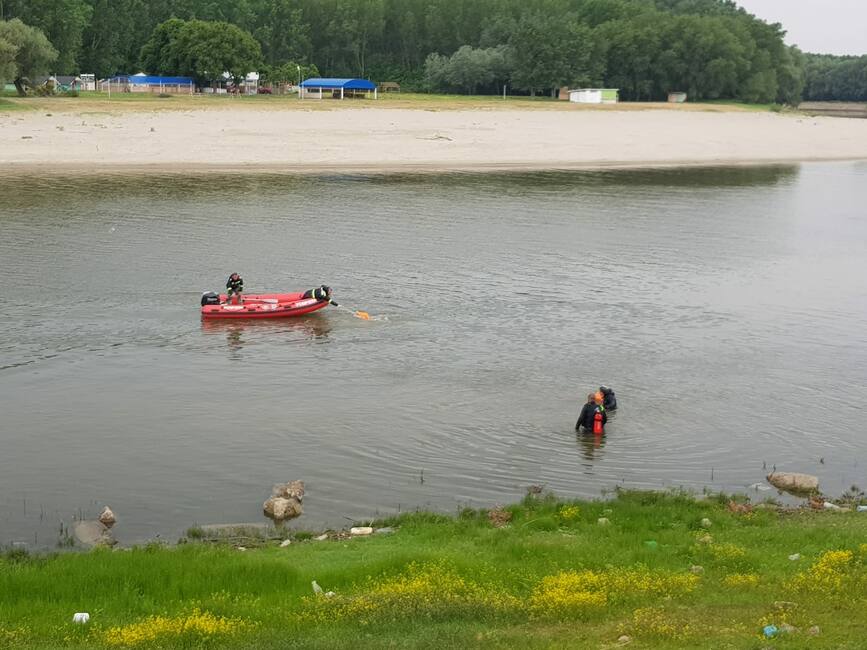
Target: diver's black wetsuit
{"points": [[588, 413], [609, 401]]}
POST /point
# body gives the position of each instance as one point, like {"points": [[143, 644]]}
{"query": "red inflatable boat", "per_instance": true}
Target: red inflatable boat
{"points": [[264, 305]]}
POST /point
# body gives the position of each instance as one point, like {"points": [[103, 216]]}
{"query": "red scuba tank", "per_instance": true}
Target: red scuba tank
{"points": [[597, 422]]}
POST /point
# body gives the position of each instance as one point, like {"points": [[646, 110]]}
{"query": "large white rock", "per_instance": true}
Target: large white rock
{"points": [[285, 501], [793, 482], [92, 533], [280, 508]]}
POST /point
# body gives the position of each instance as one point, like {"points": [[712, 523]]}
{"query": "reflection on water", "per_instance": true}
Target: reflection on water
{"points": [[591, 445], [502, 299], [238, 333], [164, 189]]}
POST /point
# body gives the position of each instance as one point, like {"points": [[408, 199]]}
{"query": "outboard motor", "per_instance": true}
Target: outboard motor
{"points": [[210, 298]]}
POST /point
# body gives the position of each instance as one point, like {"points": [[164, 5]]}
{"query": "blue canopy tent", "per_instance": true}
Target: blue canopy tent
{"points": [[339, 88]]}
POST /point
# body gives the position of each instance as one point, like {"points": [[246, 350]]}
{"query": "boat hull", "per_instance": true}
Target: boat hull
{"points": [[264, 305]]}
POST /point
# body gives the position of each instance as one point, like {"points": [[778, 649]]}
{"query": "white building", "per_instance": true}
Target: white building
{"points": [[594, 95]]}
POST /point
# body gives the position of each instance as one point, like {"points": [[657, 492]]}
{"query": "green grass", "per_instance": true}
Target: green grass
{"points": [[129, 102], [442, 582]]}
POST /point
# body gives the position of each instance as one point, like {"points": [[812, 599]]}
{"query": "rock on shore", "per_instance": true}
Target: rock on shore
{"points": [[285, 501], [793, 482]]}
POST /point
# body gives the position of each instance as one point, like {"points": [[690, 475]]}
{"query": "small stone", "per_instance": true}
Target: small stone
{"points": [[242, 548], [705, 539], [322, 537], [814, 631], [330, 594], [624, 639], [603, 521], [499, 517], [696, 570], [285, 543], [361, 530], [794, 557], [785, 628], [770, 631], [706, 523], [784, 604]]}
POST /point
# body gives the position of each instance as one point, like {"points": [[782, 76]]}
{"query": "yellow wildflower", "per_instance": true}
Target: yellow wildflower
{"points": [[827, 574], [741, 580], [423, 591], [571, 594], [652, 621], [196, 624], [568, 513]]}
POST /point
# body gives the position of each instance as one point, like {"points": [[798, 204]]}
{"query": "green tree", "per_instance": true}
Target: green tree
{"points": [[201, 49], [33, 53], [161, 53], [550, 52], [289, 72], [710, 48], [8, 67], [283, 33], [62, 21]]}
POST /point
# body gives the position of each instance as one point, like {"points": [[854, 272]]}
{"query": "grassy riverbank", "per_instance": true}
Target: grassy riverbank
{"points": [[552, 576], [134, 102]]}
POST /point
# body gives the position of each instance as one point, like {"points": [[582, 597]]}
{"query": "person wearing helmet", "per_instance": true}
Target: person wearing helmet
{"points": [[234, 287], [609, 401], [588, 415]]}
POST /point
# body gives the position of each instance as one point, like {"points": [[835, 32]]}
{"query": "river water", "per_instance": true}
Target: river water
{"points": [[727, 307]]}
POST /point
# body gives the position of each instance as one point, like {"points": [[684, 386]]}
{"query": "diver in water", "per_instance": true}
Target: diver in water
{"points": [[592, 417], [609, 401]]}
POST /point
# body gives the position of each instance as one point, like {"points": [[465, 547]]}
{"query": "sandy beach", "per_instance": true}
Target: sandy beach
{"points": [[398, 139]]}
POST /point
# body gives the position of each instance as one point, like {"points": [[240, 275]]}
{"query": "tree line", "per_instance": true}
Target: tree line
{"points": [[646, 48], [836, 78]]}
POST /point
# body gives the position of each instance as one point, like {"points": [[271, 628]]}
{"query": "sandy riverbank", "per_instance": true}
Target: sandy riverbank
{"points": [[398, 139]]}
